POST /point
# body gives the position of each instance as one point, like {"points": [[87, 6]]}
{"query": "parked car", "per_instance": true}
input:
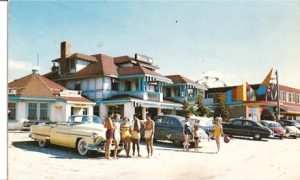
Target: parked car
{"points": [[27, 123], [291, 123], [277, 129], [169, 127], [291, 130], [245, 127], [85, 133]]}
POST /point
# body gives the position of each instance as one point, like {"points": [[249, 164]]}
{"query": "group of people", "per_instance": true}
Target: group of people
{"points": [[128, 133], [190, 129]]}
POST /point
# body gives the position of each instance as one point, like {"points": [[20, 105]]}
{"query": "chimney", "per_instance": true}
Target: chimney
{"points": [[54, 68], [65, 49], [35, 71], [65, 52]]}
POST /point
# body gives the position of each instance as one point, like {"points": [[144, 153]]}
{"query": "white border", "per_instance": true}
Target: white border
{"points": [[3, 89]]}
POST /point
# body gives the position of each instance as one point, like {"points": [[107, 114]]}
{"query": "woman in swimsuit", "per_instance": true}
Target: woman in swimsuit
{"points": [[187, 133], [117, 134], [109, 134], [218, 132], [126, 137]]}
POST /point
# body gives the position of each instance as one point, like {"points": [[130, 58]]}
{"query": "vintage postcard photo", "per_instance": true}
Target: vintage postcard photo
{"points": [[153, 90]]}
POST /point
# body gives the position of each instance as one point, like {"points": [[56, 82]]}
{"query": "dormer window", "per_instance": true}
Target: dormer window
{"points": [[72, 66]]}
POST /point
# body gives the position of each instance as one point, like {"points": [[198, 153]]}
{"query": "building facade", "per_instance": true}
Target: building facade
{"points": [[124, 84], [257, 101], [36, 98]]}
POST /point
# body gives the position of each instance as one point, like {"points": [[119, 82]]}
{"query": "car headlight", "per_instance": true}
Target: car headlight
{"points": [[94, 136]]}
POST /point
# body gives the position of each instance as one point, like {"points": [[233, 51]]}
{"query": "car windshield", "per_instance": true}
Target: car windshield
{"points": [[274, 125], [85, 119]]}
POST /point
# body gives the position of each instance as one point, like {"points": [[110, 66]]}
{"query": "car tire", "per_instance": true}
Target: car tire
{"points": [[280, 137], [257, 137], [42, 143], [82, 147], [177, 142]]}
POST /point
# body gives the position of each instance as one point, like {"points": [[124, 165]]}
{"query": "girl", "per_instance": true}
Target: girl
{"points": [[126, 137], [196, 135], [218, 132]]}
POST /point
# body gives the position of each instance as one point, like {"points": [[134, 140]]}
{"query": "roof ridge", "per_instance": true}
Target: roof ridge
{"points": [[40, 77]]}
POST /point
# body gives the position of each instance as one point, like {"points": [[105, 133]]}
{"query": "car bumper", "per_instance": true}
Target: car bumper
{"points": [[101, 147]]}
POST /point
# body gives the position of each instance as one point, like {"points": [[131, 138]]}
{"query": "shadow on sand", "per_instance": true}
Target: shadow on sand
{"points": [[58, 152]]}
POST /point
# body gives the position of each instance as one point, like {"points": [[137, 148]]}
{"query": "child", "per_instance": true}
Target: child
{"points": [[196, 135]]}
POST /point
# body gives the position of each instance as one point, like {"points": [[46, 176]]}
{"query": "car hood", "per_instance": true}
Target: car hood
{"points": [[277, 129]]}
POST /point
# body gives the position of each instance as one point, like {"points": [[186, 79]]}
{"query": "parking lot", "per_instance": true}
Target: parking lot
{"points": [[239, 159]]}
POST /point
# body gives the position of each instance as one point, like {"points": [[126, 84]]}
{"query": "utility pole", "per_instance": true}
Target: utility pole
{"points": [[278, 96]]}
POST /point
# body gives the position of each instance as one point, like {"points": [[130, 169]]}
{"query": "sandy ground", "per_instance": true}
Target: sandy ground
{"points": [[239, 159]]}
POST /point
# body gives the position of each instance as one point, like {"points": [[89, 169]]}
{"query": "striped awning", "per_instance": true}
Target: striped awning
{"points": [[150, 78]]}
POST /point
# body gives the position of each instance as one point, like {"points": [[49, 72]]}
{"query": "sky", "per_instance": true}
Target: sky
{"points": [[234, 41]]}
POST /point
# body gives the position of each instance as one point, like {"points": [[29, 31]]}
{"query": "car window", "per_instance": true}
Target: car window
{"points": [[248, 123], [165, 121], [237, 123], [158, 120]]}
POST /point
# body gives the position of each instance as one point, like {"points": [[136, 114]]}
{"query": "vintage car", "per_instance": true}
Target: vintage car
{"points": [[278, 130], [169, 127], [85, 133], [245, 127]]}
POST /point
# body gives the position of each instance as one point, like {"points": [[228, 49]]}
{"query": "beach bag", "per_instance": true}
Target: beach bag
{"points": [[226, 139]]}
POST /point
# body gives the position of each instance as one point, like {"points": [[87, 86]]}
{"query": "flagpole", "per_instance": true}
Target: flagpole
{"points": [[278, 96]]}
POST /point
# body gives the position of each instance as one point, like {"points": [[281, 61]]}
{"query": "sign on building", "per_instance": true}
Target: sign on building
{"points": [[70, 93]]}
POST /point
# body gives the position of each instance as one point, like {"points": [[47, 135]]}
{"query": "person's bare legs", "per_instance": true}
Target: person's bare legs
{"points": [[218, 143], [133, 146], [151, 146], [107, 148], [138, 147], [116, 148], [148, 147], [196, 144]]}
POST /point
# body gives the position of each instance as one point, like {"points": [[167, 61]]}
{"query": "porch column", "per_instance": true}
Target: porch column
{"points": [[144, 113], [129, 110], [103, 111], [158, 111]]}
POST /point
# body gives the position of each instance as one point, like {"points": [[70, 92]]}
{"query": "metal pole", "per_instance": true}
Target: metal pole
{"points": [[278, 96]]}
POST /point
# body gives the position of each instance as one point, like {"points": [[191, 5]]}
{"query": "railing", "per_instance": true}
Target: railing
{"points": [[154, 96]]}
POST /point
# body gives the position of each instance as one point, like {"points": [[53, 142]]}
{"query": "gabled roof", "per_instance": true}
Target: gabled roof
{"points": [[35, 85], [123, 59], [79, 56], [38, 86], [134, 70], [180, 79], [104, 66]]}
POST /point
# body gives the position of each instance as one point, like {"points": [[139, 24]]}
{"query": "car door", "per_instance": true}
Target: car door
{"points": [[236, 128], [175, 129], [158, 128], [60, 134], [248, 128]]}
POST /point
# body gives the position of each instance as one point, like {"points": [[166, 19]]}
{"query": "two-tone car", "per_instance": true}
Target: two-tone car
{"points": [[278, 130], [85, 133], [246, 127]]}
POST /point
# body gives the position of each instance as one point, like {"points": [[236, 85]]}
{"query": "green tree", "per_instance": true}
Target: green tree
{"points": [[222, 110], [201, 110], [186, 107]]}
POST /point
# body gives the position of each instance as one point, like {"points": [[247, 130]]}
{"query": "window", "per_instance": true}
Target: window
{"points": [[177, 91], [85, 111], [12, 111], [283, 96], [237, 123], [32, 111], [127, 86], [72, 66], [44, 111], [247, 123], [78, 87], [298, 98], [96, 110], [290, 97], [114, 85], [293, 97]]}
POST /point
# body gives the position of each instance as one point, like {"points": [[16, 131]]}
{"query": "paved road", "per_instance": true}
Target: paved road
{"points": [[239, 159]]}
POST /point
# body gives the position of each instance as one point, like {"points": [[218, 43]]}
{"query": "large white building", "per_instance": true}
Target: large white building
{"points": [[126, 85]]}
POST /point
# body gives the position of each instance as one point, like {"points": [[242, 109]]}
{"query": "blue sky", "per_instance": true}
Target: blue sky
{"points": [[234, 41]]}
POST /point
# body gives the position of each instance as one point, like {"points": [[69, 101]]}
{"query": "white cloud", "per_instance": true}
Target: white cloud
{"points": [[18, 69]]}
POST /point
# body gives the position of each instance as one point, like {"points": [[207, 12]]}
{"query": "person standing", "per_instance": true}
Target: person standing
{"points": [[136, 135], [196, 135], [117, 134], [187, 133], [109, 134], [149, 134], [126, 137], [218, 132]]}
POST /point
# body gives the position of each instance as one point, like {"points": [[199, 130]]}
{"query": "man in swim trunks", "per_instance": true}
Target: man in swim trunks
{"points": [[136, 134], [149, 134], [109, 134]]}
